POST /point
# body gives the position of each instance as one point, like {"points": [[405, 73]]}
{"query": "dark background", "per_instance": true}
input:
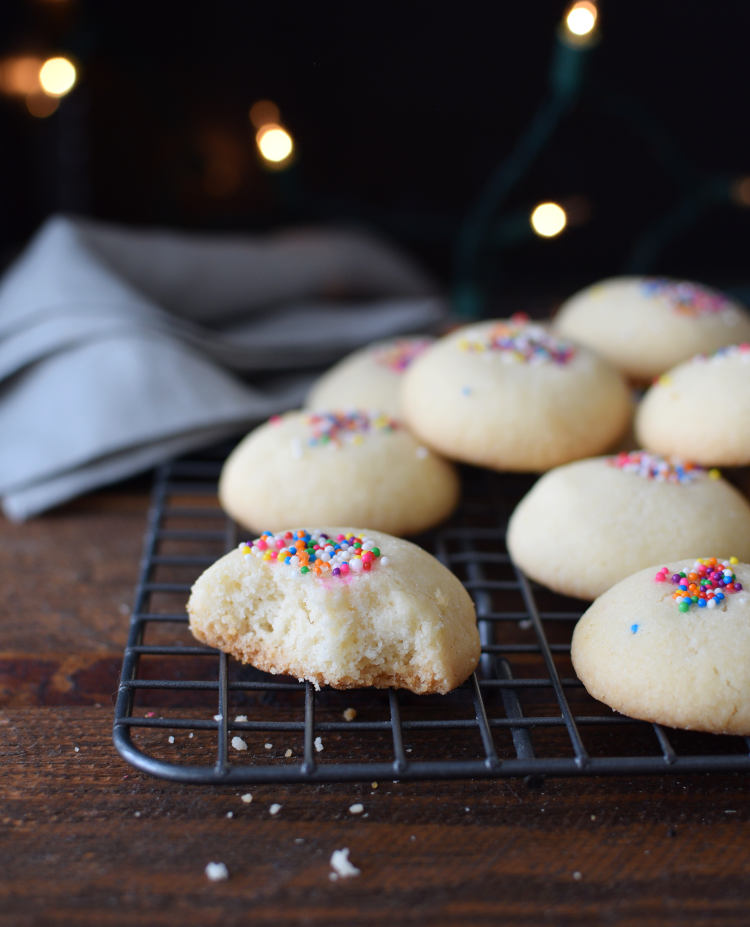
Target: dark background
{"points": [[400, 114]]}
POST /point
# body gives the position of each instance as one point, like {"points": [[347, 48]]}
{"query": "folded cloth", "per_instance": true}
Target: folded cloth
{"points": [[120, 348]]}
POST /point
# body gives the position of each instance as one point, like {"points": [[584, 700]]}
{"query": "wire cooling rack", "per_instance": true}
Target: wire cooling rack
{"points": [[187, 712]]}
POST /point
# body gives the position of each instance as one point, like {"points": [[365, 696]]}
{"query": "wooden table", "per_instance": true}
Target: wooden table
{"points": [[86, 839]]}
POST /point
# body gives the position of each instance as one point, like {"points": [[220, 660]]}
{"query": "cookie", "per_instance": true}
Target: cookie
{"points": [[586, 525], [368, 378], [645, 325], [336, 468], [671, 660], [506, 394], [700, 410], [339, 607]]}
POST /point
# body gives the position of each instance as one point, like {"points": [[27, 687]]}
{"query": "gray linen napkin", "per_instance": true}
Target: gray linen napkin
{"points": [[120, 348]]}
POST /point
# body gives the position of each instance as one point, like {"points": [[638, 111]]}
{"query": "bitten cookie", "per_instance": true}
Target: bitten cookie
{"points": [[700, 410], [370, 377], [586, 525], [673, 661], [508, 395], [339, 607], [645, 325], [336, 468]]}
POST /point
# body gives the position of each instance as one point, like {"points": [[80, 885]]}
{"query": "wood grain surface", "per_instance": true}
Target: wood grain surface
{"points": [[86, 839]]}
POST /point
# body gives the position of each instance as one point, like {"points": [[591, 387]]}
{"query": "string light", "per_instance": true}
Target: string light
{"points": [[580, 20], [57, 76], [274, 143], [548, 219]]}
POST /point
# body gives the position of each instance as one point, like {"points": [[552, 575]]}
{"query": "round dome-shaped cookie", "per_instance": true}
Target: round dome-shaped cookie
{"points": [[586, 525], [645, 325], [700, 410], [336, 468], [370, 376], [671, 660], [507, 395], [340, 607]]}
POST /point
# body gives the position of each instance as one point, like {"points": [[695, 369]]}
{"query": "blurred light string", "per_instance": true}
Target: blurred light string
{"points": [[565, 81]]}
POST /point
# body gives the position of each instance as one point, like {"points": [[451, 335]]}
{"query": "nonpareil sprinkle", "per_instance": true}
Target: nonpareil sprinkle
{"points": [[399, 355], [519, 341], [315, 553], [686, 298], [706, 584], [661, 469], [339, 428]]}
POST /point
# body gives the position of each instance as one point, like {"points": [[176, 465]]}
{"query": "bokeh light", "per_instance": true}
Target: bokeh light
{"points": [[548, 219], [57, 76], [581, 18], [274, 143], [263, 113]]}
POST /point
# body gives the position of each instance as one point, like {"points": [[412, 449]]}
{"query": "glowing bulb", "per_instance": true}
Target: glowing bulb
{"points": [[274, 143], [581, 18], [548, 219], [57, 76]]}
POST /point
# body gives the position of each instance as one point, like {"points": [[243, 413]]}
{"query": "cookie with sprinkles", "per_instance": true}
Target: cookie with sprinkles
{"points": [[645, 325], [336, 467], [586, 525], [700, 409], [369, 378], [337, 606], [680, 657], [510, 395]]}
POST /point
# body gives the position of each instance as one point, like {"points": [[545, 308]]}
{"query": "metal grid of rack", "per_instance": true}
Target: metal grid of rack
{"points": [[189, 713]]}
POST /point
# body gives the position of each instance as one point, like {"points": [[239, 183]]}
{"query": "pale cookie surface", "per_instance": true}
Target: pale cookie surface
{"points": [[635, 650], [586, 525], [368, 378], [355, 608], [336, 468], [645, 325], [507, 395], [700, 410]]}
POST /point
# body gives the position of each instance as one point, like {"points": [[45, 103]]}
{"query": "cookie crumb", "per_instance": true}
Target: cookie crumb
{"points": [[274, 809], [318, 744], [356, 808], [288, 752], [247, 797], [238, 743], [373, 785], [217, 872], [350, 714], [341, 865]]}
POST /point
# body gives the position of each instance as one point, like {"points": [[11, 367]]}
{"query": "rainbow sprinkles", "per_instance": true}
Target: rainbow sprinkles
{"points": [[705, 585], [518, 341], [686, 298], [315, 553], [661, 469]]}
